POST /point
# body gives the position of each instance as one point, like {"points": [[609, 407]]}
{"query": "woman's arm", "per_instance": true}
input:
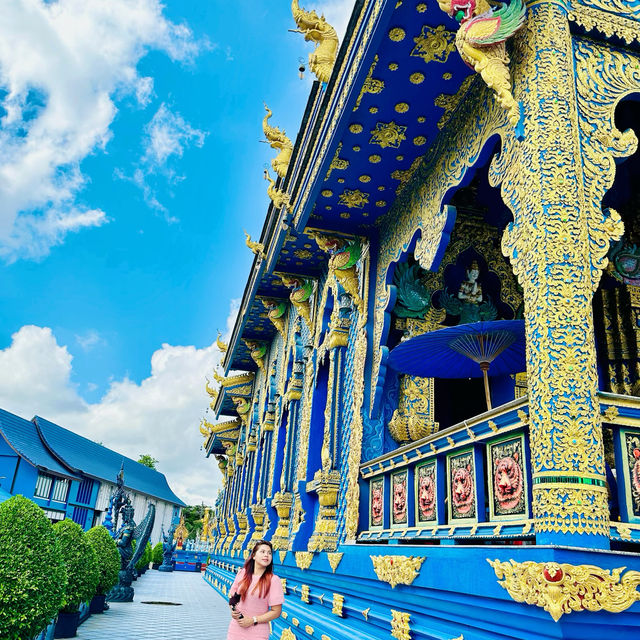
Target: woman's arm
{"points": [[272, 614]]}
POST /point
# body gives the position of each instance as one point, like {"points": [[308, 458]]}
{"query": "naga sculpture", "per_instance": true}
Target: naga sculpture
{"points": [[257, 248], [345, 254], [481, 42], [258, 351], [168, 547], [301, 291], [317, 29], [123, 591], [413, 298], [277, 311], [277, 139], [279, 197], [223, 346]]}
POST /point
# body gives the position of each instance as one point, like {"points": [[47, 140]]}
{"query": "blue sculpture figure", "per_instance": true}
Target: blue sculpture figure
{"points": [[128, 532], [168, 547]]}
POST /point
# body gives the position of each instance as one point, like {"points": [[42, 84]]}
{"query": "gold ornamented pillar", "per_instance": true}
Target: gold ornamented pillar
{"points": [[242, 530], [553, 181]]}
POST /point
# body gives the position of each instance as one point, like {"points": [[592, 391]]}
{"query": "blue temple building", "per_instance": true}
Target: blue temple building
{"points": [[430, 400], [70, 476]]}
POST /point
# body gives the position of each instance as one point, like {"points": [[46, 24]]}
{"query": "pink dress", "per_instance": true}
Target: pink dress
{"points": [[253, 605]]}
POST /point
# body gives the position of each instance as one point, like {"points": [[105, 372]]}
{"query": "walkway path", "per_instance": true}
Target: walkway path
{"points": [[202, 615]]}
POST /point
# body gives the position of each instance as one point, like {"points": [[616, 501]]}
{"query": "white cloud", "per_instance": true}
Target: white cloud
{"points": [[158, 416], [89, 340], [337, 13], [61, 65], [166, 137]]}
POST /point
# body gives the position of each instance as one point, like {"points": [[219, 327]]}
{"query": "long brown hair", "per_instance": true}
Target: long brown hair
{"points": [[264, 583]]}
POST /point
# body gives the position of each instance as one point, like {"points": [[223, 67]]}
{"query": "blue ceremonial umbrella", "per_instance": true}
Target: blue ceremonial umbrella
{"points": [[464, 351]]}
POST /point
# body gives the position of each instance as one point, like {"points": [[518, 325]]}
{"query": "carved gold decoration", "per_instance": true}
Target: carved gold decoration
{"points": [[287, 634], [276, 312], [566, 438], [301, 291], [309, 629], [405, 175], [257, 248], [304, 593], [434, 44], [279, 197], [400, 628], [611, 24], [282, 501], [352, 497], [414, 417], [388, 134], [337, 162], [223, 346], [370, 85], [480, 40], [354, 198], [563, 588], [365, 613], [317, 29], [338, 602], [611, 413], [334, 560], [277, 139], [303, 559], [450, 103], [397, 569]]}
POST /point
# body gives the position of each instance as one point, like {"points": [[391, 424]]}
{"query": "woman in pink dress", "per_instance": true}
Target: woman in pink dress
{"points": [[261, 596]]}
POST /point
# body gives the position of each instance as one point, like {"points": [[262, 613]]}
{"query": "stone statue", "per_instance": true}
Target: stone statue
{"points": [[168, 547], [468, 304], [128, 532], [470, 290]]}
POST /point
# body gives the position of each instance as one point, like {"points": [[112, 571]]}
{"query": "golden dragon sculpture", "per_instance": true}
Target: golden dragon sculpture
{"points": [[481, 42], [277, 139], [317, 29], [256, 247], [279, 197]]}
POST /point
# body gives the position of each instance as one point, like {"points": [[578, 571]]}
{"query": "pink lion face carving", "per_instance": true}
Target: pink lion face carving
{"points": [[399, 500], [427, 496], [376, 505], [507, 482], [635, 476], [462, 484]]}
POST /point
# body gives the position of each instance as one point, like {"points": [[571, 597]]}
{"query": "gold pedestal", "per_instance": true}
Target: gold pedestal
{"points": [[282, 501], [326, 484]]}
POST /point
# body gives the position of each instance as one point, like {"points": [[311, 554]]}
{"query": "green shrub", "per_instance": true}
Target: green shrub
{"points": [[107, 558], [80, 561], [145, 558], [32, 575], [157, 553]]}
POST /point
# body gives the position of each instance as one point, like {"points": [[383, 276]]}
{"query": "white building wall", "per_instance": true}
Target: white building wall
{"points": [[140, 502]]}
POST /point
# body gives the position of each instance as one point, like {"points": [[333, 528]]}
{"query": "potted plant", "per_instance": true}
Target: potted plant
{"points": [[108, 563], [157, 555], [32, 575], [82, 575]]}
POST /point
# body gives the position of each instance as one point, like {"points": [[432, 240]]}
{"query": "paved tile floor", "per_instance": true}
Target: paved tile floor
{"points": [[202, 615]]}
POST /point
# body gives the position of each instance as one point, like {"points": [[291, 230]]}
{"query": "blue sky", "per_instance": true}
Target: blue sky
{"points": [[129, 133]]}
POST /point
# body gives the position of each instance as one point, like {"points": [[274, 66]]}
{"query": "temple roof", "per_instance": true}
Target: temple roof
{"points": [[396, 81], [92, 459], [22, 436]]}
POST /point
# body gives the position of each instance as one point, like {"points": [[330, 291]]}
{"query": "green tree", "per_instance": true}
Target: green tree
{"points": [[147, 460], [32, 575], [193, 516], [107, 558], [80, 561]]}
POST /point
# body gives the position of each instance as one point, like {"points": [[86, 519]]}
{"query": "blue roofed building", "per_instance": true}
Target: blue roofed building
{"points": [[70, 476]]}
